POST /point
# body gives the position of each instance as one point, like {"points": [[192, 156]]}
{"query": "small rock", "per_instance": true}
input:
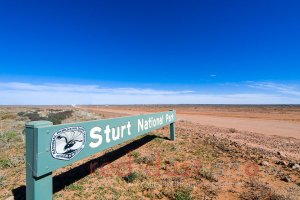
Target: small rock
{"points": [[294, 166], [168, 162], [280, 153], [232, 191], [286, 179], [265, 163], [281, 162]]}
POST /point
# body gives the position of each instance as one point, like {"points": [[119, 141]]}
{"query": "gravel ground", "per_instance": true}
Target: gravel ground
{"points": [[211, 163]]}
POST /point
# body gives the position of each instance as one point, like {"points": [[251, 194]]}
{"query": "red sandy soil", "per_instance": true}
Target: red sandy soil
{"points": [[280, 121], [251, 137]]}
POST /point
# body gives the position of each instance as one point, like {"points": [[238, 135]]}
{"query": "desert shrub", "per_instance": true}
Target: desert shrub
{"points": [[173, 147], [2, 181], [148, 186], [34, 116], [207, 174], [179, 193], [8, 137], [135, 176], [135, 154], [131, 177], [4, 163], [170, 161], [75, 187], [57, 118], [158, 140], [8, 116], [232, 130], [149, 160], [260, 190], [16, 160], [183, 193], [210, 191], [21, 114], [10, 140], [54, 110]]}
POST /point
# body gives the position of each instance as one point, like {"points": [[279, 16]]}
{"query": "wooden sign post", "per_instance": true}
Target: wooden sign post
{"points": [[50, 147]]}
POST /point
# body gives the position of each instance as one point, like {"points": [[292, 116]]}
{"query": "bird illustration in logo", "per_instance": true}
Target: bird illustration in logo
{"points": [[69, 141]]}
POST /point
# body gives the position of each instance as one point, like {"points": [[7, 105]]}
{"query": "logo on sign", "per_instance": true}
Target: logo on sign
{"points": [[68, 142]]}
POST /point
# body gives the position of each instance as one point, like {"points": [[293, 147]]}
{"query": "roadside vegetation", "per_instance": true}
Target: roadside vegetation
{"points": [[54, 117]]}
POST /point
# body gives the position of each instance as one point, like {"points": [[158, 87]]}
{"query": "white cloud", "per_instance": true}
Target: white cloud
{"points": [[86, 89], [275, 87], [16, 93]]}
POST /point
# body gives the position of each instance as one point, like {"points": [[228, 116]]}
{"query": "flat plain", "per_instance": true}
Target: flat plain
{"points": [[270, 120], [220, 152]]}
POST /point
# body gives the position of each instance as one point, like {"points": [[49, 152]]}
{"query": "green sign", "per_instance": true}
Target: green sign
{"points": [[50, 147]]}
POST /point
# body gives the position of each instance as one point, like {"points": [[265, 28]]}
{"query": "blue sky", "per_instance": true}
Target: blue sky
{"points": [[123, 52]]}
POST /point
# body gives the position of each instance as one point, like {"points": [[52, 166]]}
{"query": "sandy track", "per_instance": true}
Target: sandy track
{"points": [[263, 126]]}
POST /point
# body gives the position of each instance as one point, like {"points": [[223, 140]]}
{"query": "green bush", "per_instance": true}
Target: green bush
{"points": [[2, 181], [131, 177], [179, 193], [149, 160], [21, 114], [135, 154], [5, 163], [183, 194], [10, 137], [33, 116], [57, 118]]}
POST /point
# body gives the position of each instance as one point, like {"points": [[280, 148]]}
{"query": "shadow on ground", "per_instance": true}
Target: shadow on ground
{"points": [[67, 178]]}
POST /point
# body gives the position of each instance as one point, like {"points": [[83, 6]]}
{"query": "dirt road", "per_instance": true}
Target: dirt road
{"points": [[264, 126]]}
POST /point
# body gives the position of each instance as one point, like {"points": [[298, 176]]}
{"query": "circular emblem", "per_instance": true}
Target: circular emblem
{"points": [[67, 142]]}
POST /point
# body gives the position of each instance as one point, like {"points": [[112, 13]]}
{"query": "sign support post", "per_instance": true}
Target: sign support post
{"points": [[172, 131], [36, 187]]}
